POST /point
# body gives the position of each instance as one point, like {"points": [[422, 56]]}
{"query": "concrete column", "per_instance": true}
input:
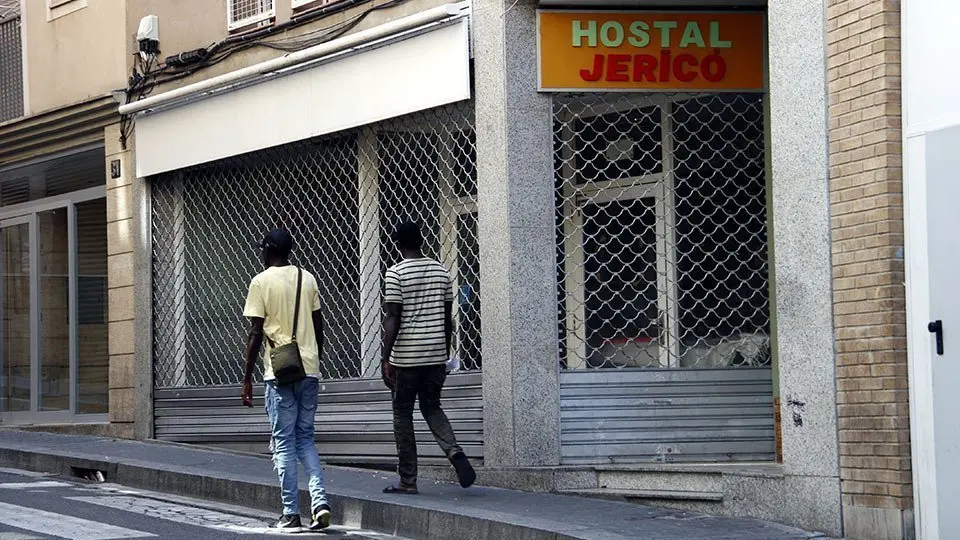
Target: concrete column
{"points": [[143, 291], [802, 261], [369, 205], [517, 240], [125, 404]]}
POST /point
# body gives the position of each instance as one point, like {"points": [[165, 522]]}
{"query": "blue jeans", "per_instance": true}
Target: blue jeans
{"points": [[291, 411]]}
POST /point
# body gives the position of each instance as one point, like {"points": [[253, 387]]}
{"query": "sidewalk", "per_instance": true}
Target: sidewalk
{"points": [[441, 511]]}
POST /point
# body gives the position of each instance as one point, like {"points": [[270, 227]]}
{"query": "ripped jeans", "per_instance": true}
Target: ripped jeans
{"points": [[291, 410]]}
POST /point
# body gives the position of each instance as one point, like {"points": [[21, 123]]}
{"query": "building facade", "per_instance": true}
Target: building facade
{"points": [[634, 206], [676, 233], [867, 222], [931, 118], [55, 112]]}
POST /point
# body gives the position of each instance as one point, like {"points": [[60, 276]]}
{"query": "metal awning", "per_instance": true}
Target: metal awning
{"points": [[54, 131], [411, 64]]}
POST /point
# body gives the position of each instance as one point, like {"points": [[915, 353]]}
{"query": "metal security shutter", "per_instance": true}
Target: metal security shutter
{"points": [[341, 195], [354, 420], [694, 415], [11, 69], [663, 288]]}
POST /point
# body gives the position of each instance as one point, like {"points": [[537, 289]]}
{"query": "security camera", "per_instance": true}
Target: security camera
{"points": [[148, 35]]}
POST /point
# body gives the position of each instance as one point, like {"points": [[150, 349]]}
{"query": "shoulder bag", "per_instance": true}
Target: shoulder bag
{"points": [[285, 360]]}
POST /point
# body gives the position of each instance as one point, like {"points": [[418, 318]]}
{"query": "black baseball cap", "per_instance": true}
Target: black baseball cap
{"points": [[280, 241]]}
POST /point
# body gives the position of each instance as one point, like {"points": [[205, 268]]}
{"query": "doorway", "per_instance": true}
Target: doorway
{"points": [[54, 361], [623, 320]]}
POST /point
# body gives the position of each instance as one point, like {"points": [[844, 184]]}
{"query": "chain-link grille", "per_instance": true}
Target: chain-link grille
{"points": [[241, 13], [11, 70], [661, 230], [341, 196]]}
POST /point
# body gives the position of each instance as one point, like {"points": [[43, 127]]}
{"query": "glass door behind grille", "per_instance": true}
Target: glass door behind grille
{"points": [[468, 291], [623, 322]]}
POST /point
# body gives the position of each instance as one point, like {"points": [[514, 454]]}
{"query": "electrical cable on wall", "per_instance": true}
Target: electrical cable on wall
{"points": [[148, 74]]}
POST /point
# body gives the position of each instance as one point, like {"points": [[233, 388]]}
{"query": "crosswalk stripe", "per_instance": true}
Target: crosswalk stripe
{"points": [[18, 536], [28, 474], [187, 515], [40, 521], [33, 485]]}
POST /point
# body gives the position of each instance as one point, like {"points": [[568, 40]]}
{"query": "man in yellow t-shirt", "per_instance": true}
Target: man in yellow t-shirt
{"points": [[291, 408]]}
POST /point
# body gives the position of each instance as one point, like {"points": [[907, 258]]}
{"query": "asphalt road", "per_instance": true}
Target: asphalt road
{"points": [[34, 507]]}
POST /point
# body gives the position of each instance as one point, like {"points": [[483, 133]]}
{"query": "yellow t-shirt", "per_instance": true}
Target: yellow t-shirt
{"points": [[272, 297]]}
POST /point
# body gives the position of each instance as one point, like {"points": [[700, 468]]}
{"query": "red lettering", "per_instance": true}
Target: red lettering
{"points": [[593, 76], [665, 65], [714, 67], [617, 66], [644, 66], [679, 67], [649, 68]]}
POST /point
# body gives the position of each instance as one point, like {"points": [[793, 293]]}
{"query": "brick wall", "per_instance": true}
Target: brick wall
{"points": [[867, 223]]}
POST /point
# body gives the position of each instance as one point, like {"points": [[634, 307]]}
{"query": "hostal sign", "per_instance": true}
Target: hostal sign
{"points": [[654, 51]]}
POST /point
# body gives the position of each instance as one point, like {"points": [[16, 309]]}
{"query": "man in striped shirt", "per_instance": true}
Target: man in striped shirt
{"points": [[418, 331]]}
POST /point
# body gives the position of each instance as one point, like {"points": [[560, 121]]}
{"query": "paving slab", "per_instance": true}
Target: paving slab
{"points": [[441, 511]]}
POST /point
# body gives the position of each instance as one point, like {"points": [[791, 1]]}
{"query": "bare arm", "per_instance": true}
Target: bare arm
{"points": [[318, 329], [393, 309], [391, 329], [448, 324], [254, 343]]}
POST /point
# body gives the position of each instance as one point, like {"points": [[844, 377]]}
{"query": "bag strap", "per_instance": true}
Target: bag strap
{"points": [[296, 308]]}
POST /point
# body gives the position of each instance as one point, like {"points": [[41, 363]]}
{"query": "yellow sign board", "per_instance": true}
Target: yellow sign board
{"points": [[651, 51]]}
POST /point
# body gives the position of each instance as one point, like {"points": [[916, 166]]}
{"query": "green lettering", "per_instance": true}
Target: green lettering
{"points": [[640, 34], [579, 33], [665, 27], [715, 41], [692, 35], [611, 41]]}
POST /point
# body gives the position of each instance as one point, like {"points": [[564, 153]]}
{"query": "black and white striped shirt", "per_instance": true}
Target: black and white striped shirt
{"points": [[422, 287]]}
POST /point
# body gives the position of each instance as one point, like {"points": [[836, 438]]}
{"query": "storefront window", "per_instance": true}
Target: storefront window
{"points": [[54, 353], [54, 311], [93, 361], [619, 145], [409, 189], [722, 282], [16, 334], [341, 195], [463, 154], [661, 228]]}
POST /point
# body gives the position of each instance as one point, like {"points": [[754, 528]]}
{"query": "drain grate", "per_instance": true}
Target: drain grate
{"points": [[91, 475]]}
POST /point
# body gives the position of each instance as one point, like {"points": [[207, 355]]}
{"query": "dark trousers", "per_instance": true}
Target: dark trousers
{"points": [[425, 383]]}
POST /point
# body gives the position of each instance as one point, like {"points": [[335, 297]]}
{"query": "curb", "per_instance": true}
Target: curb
{"points": [[378, 516]]}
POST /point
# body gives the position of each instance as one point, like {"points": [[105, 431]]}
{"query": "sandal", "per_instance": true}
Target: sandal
{"points": [[401, 489]]}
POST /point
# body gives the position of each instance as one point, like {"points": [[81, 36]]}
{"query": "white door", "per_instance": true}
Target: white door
{"points": [[933, 297], [931, 120]]}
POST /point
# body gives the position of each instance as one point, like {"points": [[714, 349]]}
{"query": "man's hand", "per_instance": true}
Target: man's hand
{"points": [[389, 375], [247, 393], [254, 342]]}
